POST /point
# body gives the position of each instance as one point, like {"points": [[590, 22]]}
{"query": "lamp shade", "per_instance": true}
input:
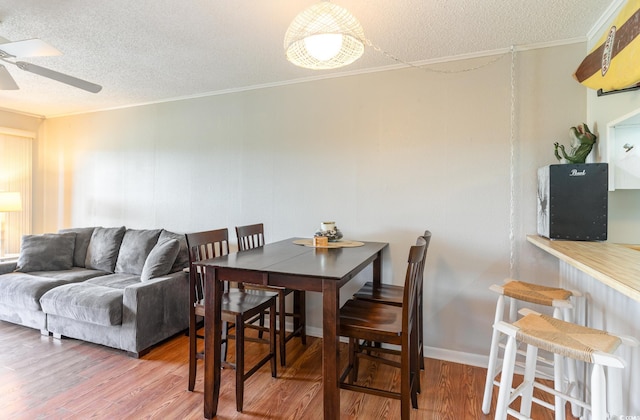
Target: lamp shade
{"points": [[324, 36], [10, 201]]}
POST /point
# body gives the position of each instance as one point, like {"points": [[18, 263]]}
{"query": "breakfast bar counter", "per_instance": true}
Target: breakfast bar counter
{"points": [[608, 276], [615, 265]]}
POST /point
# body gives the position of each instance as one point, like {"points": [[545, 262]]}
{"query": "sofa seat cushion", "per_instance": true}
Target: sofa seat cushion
{"points": [[24, 290], [76, 274], [115, 281], [90, 303]]}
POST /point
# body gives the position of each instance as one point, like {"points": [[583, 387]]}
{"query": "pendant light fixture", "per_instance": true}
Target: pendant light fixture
{"points": [[324, 36]]}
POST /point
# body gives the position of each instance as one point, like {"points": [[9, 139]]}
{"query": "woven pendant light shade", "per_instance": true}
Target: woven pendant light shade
{"points": [[324, 36]]}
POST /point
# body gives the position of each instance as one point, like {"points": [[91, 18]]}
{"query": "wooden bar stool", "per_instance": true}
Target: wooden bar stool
{"points": [[519, 292], [564, 340]]}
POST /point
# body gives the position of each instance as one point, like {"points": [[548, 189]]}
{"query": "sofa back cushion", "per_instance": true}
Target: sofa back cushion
{"points": [[83, 236], [47, 252], [161, 259], [136, 246], [182, 259], [102, 252]]}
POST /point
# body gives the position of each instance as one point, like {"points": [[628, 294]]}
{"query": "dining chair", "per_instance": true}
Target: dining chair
{"points": [[252, 236], [392, 294], [238, 308], [364, 322]]}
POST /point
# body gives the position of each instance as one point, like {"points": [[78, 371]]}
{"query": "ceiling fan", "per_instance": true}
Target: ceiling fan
{"points": [[9, 51]]}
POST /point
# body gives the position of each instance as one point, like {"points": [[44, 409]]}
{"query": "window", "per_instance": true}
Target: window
{"points": [[15, 176]]}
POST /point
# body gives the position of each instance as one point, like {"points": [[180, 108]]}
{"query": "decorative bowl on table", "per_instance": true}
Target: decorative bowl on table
{"points": [[330, 231]]}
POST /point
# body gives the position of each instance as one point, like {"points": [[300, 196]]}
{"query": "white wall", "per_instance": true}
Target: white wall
{"points": [[386, 155]]}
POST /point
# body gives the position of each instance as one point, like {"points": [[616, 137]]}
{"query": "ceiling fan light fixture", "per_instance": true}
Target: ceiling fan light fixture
{"points": [[35, 48], [324, 36]]}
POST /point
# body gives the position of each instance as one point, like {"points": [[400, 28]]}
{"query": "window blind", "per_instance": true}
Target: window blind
{"points": [[16, 175]]}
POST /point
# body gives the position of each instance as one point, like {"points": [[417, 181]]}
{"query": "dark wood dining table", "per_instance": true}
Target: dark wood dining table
{"points": [[293, 266]]}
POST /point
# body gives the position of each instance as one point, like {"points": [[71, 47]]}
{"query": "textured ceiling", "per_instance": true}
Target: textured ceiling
{"points": [[153, 50]]}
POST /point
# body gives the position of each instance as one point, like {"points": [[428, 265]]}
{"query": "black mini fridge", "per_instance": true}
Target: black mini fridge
{"points": [[573, 201]]}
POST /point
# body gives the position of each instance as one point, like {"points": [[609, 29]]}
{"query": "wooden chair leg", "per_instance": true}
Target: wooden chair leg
{"points": [[239, 363], [421, 331], [192, 353], [225, 341], [282, 319], [299, 299], [414, 368], [261, 323], [272, 341], [353, 360], [415, 363], [405, 384]]}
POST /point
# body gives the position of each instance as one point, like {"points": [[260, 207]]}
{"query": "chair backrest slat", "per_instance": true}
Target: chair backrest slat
{"points": [[250, 236], [203, 246], [427, 239], [414, 277]]}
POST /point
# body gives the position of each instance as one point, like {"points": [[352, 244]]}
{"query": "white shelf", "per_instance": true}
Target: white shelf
{"points": [[622, 152]]}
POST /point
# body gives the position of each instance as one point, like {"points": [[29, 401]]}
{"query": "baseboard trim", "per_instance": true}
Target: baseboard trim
{"points": [[472, 359], [453, 356]]}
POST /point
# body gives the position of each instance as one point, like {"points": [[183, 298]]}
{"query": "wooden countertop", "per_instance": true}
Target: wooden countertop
{"points": [[616, 265]]}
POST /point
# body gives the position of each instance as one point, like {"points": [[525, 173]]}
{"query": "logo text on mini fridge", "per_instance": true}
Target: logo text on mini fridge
{"points": [[575, 172]]}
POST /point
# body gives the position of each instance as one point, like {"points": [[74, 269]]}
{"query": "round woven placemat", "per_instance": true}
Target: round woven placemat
{"points": [[339, 244]]}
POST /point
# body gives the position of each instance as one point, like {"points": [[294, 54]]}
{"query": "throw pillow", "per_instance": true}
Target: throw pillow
{"points": [[182, 260], [136, 245], [102, 252], [160, 259], [47, 252], [83, 236]]}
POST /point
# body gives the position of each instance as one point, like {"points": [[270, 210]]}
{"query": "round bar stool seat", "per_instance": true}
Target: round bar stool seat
{"points": [[564, 340], [522, 292], [535, 293]]}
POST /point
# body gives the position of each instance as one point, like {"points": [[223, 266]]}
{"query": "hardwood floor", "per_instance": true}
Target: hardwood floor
{"points": [[44, 378]]}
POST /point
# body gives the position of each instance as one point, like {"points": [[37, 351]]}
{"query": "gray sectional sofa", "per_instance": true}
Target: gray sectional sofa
{"points": [[122, 288]]}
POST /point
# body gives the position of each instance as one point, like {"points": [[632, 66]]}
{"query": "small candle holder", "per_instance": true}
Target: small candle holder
{"points": [[320, 241]]}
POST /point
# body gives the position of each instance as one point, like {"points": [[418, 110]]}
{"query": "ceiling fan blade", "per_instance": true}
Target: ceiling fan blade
{"points": [[60, 77], [28, 48], [6, 81]]}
